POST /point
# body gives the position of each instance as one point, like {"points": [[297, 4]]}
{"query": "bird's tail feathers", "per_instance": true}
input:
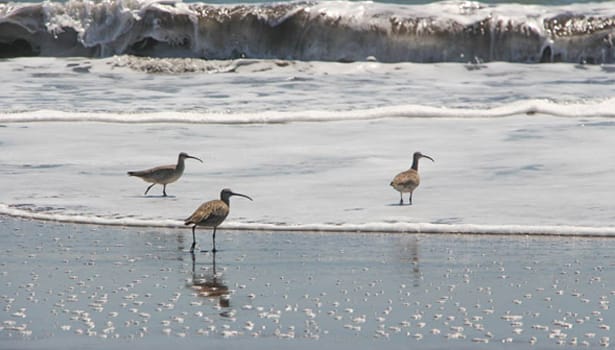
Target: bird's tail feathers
{"points": [[137, 173]]}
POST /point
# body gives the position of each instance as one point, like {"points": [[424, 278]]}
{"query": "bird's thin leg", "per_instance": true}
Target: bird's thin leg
{"points": [[410, 199], [164, 190], [214, 240], [148, 188], [401, 198], [214, 261], [193, 240]]}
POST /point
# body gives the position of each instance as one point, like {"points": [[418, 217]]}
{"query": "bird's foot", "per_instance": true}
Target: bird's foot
{"points": [[401, 202]]}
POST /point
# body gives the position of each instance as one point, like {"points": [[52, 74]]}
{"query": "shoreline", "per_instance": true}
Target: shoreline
{"points": [[375, 228]]}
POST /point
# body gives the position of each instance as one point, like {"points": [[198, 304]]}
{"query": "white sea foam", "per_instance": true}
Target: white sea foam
{"points": [[523, 149], [412, 228], [605, 108], [516, 175]]}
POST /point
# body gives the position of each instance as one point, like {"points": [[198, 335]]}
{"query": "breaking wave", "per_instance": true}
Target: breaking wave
{"points": [[450, 31]]}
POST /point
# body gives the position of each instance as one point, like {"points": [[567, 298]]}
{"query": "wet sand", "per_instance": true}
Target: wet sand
{"points": [[66, 286]]}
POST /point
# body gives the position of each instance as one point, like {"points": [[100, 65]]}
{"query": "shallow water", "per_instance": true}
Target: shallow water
{"points": [[103, 287], [120, 89], [526, 174]]}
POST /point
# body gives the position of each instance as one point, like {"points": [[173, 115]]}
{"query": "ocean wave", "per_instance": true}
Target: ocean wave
{"points": [[450, 31], [603, 108], [374, 227]]}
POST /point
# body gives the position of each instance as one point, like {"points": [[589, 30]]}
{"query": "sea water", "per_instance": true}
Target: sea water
{"points": [[311, 109]]}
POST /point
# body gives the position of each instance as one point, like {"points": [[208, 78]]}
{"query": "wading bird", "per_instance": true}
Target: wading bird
{"points": [[212, 214], [163, 175], [407, 181]]}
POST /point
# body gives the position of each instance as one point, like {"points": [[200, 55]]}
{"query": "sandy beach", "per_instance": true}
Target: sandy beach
{"points": [[67, 286]]}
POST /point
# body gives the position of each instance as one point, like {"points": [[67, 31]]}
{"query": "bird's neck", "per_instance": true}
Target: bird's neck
{"points": [[415, 164], [226, 200], [180, 164]]}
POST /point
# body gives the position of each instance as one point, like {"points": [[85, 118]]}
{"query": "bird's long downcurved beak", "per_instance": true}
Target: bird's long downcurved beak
{"points": [[195, 158], [240, 195], [428, 157]]}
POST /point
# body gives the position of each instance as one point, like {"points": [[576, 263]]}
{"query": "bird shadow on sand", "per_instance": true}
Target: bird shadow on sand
{"points": [[398, 205], [155, 197], [204, 251]]}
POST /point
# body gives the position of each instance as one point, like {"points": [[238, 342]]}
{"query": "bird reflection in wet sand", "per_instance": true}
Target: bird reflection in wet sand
{"points": [[210, 284], [408, 252]]}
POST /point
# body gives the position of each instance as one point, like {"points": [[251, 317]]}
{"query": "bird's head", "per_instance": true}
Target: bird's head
{"points": [[228, 193], [419, 155], [185, 155]]}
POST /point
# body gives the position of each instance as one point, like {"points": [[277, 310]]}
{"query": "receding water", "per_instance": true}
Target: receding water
{"points": [[73, 285]]}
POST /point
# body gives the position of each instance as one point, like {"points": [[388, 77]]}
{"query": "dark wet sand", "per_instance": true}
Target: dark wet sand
{"points": [[65, 286]]}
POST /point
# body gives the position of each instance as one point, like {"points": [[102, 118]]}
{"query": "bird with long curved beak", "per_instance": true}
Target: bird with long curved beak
{"points": [[407, 181], [165, 174], [212, 214]]}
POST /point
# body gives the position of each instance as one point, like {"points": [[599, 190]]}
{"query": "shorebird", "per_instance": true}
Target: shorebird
{"points": [[408, 181], [212, 214], [164, 174]]}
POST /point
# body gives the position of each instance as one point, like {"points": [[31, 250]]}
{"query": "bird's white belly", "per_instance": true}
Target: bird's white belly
{"points": [[170, 179], [405, 187]]}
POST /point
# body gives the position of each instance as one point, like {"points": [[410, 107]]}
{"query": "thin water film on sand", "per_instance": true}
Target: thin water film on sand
{"points": [[107, 286]]}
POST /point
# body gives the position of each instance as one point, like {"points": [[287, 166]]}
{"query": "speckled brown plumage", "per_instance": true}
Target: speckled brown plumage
{"points": [[407, 181], [211, 214]]}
